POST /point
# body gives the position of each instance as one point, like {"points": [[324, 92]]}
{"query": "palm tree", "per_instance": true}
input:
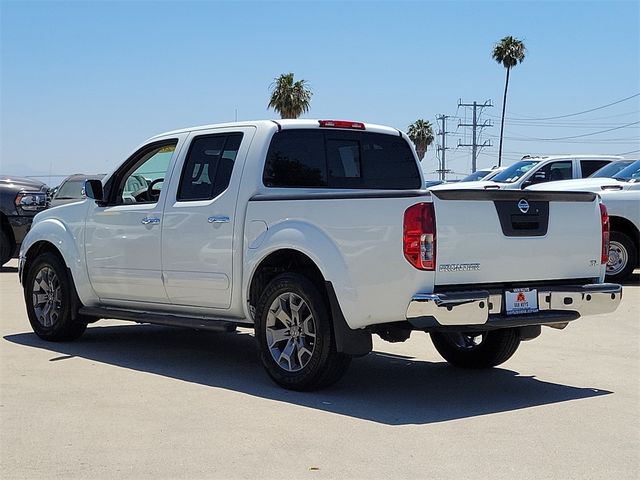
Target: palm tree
{"points": [[421, 134], [290, 99], [509, 52]]}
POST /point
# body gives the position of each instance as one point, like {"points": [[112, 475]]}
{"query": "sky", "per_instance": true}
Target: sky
{"points": [[82, 84]]}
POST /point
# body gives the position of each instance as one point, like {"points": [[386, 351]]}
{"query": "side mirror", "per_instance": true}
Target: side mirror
{"points": [[93, 189]]}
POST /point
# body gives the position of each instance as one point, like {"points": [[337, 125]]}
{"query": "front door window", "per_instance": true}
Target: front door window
{"points": [[144, 183]]}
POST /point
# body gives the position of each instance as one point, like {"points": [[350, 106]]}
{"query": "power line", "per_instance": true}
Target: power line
{"points": [[580, 113], [566, 125], [585, 134], [627, 153], [517, 136], [606, 117], [612, 141]]}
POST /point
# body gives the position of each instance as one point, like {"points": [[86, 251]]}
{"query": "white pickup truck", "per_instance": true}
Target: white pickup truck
{"points": [[621, 195], [317, 234]]}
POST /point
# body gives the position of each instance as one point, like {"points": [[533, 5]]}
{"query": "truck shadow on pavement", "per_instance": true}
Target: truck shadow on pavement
{"points": [[384, 388]]}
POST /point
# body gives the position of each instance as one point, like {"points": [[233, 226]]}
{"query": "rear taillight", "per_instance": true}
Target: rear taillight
{"points": [[604, 219], [419, 236]]}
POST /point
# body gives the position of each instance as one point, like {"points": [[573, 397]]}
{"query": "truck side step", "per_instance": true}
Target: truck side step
{"points": [[169, 319]]}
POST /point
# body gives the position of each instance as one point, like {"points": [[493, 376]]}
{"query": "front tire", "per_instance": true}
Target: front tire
{"points": [[294, 333], [623, 257], [477, 350], [49, 295]]}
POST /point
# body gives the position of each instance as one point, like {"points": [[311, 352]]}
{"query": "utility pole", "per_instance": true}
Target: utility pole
{"points": [[442, 148], [475, 131]]}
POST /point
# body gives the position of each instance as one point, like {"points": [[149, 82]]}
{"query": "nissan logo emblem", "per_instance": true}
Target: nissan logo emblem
{"points": [[523, 205]]}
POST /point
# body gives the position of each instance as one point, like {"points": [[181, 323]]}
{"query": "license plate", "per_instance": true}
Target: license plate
{"points": [[521, 300]]}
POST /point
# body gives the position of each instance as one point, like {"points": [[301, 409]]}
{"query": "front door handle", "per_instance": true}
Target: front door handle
{"points": [[218, 219], [150, 221]]}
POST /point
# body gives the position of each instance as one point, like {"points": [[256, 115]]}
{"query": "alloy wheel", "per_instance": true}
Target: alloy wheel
{"points": [[290, 332], [47, 296]]}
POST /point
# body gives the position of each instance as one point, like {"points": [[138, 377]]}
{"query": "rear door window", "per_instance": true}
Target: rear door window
{"points": [[340, 159], [588, 167], [208, 166]]}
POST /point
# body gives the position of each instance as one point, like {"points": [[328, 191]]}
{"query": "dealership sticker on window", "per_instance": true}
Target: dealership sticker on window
{"points": [[521, 300]]}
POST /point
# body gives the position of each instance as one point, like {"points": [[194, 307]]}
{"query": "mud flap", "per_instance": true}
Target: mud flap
{"points": [[352, 342]]}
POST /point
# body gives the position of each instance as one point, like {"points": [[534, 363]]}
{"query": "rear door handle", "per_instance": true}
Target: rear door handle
{"points": [[150, 221], [218, 219]]}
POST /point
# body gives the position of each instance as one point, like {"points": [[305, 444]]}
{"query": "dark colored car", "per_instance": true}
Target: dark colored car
{"points": [[20, 200], [433, 183], [483, 174], [72, 189]]}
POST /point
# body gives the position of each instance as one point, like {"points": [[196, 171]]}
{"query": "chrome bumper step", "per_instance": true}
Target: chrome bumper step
{"points": [[479, 309]]}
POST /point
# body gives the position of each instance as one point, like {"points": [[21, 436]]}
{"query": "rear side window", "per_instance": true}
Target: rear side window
{"points": [[340, 159], [589, 167], [208, 166], [296, 159]]}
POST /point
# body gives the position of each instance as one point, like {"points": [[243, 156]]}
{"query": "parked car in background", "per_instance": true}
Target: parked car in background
{"points": [[624, 245], [621, 196], [483, 174], [433, 183], [72, 189], [534, 170], [52, 192], [20, 200]]}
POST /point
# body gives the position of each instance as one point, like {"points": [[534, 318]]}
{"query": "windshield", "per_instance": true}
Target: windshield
{"points": [[515, 171], [477, 175], [71, 189], [610, 169], [630, 173]]}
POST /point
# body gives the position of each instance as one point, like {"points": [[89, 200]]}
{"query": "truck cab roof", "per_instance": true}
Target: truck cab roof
{"points": [[283, 124]]}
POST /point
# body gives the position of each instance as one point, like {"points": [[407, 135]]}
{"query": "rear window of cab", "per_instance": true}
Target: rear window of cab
{"points": [[310, 158]]}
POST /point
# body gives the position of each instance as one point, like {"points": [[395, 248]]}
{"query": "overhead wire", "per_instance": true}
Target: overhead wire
{"points": [[579, 113], [627, 153], [606, 117]]}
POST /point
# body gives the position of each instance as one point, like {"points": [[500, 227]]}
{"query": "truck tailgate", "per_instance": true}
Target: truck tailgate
{"points": [[491, 236]]}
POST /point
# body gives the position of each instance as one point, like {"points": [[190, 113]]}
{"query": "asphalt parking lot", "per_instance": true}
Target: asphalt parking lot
{"points": [[140, 401]]}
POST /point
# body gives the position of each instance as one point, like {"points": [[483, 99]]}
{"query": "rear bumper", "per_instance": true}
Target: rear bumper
{"points": [[481, 310]]}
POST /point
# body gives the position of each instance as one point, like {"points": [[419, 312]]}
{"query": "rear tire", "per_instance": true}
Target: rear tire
{"points": [[623, 257], [6, 248], [50, 298], [477, 350], [294, 332]]}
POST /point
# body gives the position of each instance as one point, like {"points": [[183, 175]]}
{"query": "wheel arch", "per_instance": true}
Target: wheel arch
{"points": [[624, 225], [53, 236], [6, 228], [299, 237], [281, 260]]}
